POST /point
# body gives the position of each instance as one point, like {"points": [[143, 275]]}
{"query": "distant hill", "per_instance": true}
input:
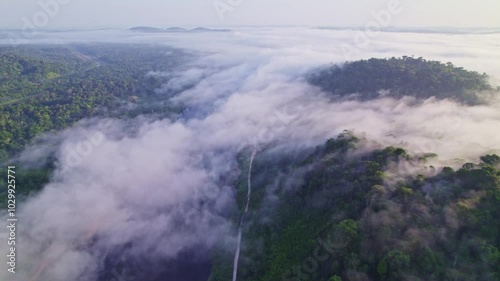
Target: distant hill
{"points": [[176, 29], [425, 30], [146, 29], [203, 29], [406, 76]]}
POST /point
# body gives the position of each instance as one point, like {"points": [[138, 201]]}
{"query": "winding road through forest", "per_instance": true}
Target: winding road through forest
{"points": [[249, 192]]}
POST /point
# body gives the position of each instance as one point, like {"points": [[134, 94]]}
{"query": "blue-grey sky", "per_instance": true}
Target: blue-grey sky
{"points": [[163, 13]]}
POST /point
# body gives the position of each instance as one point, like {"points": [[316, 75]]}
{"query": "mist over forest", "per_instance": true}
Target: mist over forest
{"points": [[252, 153]]}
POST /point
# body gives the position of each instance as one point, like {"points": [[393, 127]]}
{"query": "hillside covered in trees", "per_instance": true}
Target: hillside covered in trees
{"points": [[328, 216], [45, 88], [404, 76]]}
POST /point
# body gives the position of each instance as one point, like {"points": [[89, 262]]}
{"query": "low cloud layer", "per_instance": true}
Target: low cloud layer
{"points": [[165, 186]]}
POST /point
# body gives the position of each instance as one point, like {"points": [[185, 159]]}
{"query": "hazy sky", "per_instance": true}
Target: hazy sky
{"points": [[163, 13]]}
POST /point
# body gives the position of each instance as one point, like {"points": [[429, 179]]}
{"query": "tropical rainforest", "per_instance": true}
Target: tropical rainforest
{"points": [[52, 87], [368, 218], [336, 212], [406, 76]]}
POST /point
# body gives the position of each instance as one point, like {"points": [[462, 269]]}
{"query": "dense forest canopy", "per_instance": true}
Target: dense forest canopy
{"points": [[351, 218], [406, 76], [44, 88]]}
